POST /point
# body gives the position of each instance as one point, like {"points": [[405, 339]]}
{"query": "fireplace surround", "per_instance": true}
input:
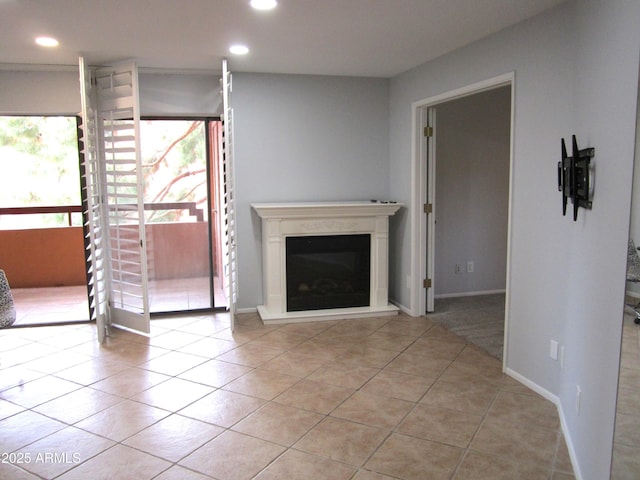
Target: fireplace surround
{"points": [[308, 223]]}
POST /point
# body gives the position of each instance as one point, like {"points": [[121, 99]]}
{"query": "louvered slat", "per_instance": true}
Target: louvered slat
{"points": [[119, 116], [229, 193], [92, 214]]}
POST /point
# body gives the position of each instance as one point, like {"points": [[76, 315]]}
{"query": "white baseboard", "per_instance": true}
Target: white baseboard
{"points": [[563, 423], [468, 294], [403, 308], [572, 451], [246, 310], [543, 392]]}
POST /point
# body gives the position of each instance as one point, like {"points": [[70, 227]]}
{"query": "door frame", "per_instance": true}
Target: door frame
{"points": [[213, 231], [423, 191]]}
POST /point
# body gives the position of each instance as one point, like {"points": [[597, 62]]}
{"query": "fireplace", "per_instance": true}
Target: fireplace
{"points": [[325, 261], [328, 271]]}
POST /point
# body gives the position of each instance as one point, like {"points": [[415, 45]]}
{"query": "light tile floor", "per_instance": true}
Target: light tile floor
{"points": [[50, 305], [626, 463], [36, 306], [367, 399]]}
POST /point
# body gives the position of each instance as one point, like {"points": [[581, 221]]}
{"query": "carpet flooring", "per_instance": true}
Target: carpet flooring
{"points": [[478, 319]]}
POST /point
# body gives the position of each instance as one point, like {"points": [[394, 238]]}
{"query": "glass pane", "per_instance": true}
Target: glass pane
{"points": [[41, 234], [176, 214], [39, 165]]}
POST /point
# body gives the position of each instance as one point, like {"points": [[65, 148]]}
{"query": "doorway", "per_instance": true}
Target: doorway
{"points": [[41, 222], [179, 158], [471, 212], [40, 219], [472, 194]]}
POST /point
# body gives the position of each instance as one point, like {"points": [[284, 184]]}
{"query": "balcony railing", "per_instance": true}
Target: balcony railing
{"points": [[55, 255], [194, 211], [68, 209]]}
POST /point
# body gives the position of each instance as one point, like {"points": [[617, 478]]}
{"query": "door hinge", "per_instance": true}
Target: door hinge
{"points": [[428, 208], [428, 131], [426, 283]]}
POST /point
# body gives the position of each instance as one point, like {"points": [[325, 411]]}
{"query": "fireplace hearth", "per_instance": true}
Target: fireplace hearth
{"points": [[311, 270]]}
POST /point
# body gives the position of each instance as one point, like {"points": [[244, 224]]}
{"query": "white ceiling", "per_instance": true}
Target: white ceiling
{"points": [[379, 38]]}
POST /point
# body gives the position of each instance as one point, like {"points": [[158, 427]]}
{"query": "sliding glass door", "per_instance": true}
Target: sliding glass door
{"points": [[41, 237], [179, 199]]}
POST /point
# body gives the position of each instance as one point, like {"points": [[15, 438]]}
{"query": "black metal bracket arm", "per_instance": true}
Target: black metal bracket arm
{"points": [[575, 177]]}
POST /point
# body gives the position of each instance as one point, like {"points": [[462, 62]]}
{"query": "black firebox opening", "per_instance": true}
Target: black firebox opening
{"points": [[330, 271]]}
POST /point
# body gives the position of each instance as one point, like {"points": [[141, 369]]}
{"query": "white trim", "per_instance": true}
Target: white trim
{"points": [[569, 441], [429, 153], [247, 310], [507, 300], [306, 210], [470, 294], [269, 318], [284, 220], [418, 192], [543, 392], [417, 253], [403, 308]]}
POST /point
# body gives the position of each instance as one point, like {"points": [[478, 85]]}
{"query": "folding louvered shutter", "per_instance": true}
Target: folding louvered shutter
{"points": [[119, 148], [229, 193], [95, 253]]}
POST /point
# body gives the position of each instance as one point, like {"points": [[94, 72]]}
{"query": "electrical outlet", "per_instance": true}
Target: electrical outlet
{"points": [[578, 398], [457, 269], [469, 267], [553, 350]]}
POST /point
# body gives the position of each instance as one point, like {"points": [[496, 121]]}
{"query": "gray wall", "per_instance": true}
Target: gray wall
{"points": [[319, 138], [472, 192], [297, 138], [303, 138], [30, 92], [176, 94], [576, 71], [39, 92], [634, 231]]}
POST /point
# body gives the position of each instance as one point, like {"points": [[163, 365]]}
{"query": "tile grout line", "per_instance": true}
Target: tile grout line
{"points": [[329, 414]]}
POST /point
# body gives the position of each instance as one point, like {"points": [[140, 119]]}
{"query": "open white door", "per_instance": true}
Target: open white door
{"points": [[230, 264], [122, 195], [95, 253], [429, 148]]}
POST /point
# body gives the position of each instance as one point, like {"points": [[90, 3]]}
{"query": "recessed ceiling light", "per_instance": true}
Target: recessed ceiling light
{"points": [[239, 49], [47, 42], [264, 4]]}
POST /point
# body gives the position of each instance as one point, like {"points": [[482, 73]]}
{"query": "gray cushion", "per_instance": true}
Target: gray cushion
{"points": [[7, 307]]}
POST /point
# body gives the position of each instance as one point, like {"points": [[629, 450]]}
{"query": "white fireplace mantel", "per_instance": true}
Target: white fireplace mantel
{"points": [[282, 220]]}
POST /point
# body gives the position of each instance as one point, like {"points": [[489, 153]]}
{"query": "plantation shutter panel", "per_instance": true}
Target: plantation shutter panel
{"points": [[119, 153], [92, 215], [231, 272]]}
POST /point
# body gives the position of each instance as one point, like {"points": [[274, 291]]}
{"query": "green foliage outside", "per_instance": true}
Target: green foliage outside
{"points": [[173, 166], [39, 165]]}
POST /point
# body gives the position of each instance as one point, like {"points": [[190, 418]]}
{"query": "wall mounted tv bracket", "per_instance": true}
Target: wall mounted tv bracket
{"points": [[575, 177]]}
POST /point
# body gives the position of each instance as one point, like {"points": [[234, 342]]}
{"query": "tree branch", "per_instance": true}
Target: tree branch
{"points": [[153, 166]]}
